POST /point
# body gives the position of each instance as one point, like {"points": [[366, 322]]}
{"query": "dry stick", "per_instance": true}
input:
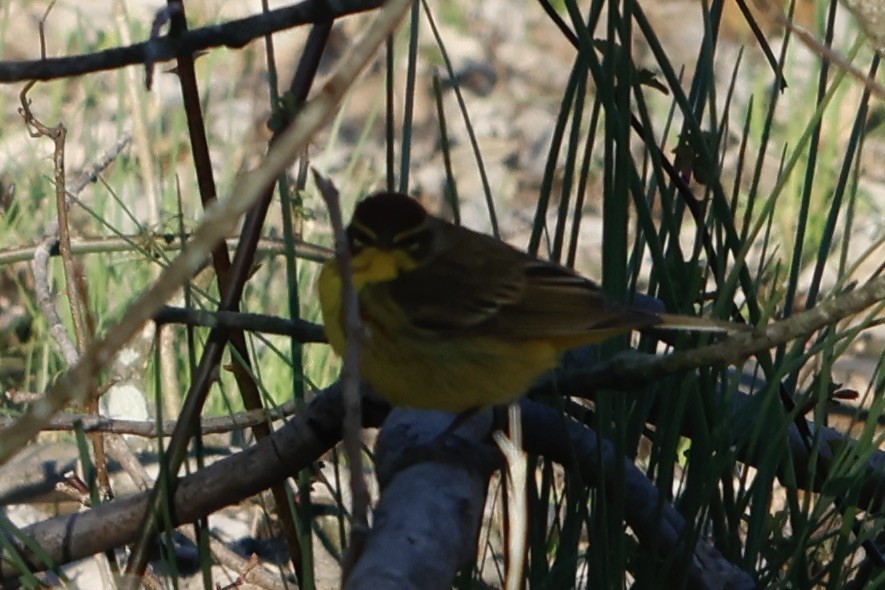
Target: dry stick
{"points": [[431, 502], [218, 221], [233, 34], [41, 255], [148, 429], [350, 377], [300, 330], [630, 370], [47, 305], [138, 114], [229, 279], [75, 286], [120, 452], [60, 228], [517, 475], [152, 243], [51, 244], [248, 570], [260, 576], [776, 15]]}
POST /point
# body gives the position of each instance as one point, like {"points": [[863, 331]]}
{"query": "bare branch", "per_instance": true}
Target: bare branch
{"points": [[300, 330], [314, 431], [46, 301], [350, 374], [234, 34], [631, 370], [436, 494], [155, 242], [92, 423]]}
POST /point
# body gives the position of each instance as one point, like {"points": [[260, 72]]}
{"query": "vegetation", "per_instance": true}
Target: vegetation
{"points": [[741, 184]]}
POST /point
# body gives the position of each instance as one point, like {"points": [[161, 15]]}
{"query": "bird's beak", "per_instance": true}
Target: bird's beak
{"points": [[374, 265]]}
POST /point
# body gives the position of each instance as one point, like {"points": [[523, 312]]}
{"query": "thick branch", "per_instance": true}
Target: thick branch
{"points": [[310, 434], [435, 494], [271, 460]]}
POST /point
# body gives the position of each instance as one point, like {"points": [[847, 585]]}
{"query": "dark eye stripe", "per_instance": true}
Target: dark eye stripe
{"points": [[357, 238], [415, 243], [411, 241]]}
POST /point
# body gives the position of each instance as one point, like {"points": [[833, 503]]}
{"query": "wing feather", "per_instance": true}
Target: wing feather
{"points": [[486, 288]]}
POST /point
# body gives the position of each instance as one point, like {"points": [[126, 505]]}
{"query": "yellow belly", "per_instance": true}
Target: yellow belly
{"points": [[454, 374], [410, 368]]}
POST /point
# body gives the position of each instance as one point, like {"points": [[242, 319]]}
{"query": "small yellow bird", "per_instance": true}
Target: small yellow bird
{"points": [[456, 320]]}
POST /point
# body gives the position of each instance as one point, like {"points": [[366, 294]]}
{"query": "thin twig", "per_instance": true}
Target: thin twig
{"points": [[234, 34], [776, 15], [138, 108], [90, 174], [153, 243], [517, 475], [631, 370], [301, 330], [36, 129], [350, 375], [59, 230], [47, 304], [120, 452], [148, 429]]}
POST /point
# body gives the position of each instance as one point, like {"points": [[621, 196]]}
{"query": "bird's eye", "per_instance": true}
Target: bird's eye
{"points": [[357, 240]]}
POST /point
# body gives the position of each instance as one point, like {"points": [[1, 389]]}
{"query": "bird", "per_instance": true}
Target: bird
{"points": [[456, 320]]}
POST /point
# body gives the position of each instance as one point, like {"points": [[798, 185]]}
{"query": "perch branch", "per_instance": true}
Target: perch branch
{"points": [[310, 434]]}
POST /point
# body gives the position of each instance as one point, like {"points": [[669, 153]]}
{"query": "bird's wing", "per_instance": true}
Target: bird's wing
{"points": [[461, 287], [557, 303], [481, 286]]}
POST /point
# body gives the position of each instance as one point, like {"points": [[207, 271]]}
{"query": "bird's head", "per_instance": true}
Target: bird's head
{"points": [[389, 233]]}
